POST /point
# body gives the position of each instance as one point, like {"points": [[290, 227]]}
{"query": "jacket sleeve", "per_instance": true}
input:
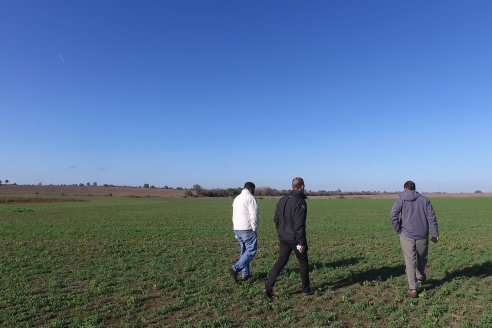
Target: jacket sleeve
{"points": [[431, 218], [279, 211], [278, 214], [300, 212], [253, 213], [395, 215]]}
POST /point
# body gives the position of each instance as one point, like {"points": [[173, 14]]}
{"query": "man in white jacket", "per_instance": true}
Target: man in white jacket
{"points": [[245, 216]]}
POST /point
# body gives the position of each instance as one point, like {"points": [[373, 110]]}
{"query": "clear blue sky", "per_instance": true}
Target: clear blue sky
{"points": [[356, 95]]}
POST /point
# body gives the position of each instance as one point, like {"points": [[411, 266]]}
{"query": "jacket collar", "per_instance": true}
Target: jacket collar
{"points": [[246, 191], [298, 192]]}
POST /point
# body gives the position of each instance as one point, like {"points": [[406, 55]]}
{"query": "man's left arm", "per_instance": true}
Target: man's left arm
{"points": [[253, 213], [432, 219], [300, 212]]}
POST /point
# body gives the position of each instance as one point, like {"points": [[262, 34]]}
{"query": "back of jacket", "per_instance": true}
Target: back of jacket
{"points": [[290, 218], [412, 215]]}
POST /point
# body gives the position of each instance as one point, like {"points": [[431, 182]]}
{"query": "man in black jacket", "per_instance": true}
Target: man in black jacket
{"points": [[290, 220]]}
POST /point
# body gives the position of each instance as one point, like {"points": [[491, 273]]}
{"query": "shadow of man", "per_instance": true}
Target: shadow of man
{"points": [[330, 265], [316, 266], [481, 270], [379, 274], [335, 264]]}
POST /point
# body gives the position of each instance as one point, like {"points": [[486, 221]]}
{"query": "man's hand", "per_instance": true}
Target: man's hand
{"points": [[301, 248], [435, 239]]}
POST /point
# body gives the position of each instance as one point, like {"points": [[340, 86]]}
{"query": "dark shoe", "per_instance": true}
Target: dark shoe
{"points": [[412, 293], [421, 281], [307, 291], [245, 278], [268, 294], [233, 274]]}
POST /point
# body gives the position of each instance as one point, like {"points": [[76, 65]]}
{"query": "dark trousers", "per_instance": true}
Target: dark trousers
{"points": [[283, 257]]}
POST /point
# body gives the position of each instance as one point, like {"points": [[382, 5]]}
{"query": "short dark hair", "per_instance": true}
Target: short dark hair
{"points": [[249, 185], [409, 185], [297, 183]]}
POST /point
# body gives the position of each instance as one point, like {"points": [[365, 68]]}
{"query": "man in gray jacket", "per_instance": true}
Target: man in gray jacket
{"points": [[411, 215]]}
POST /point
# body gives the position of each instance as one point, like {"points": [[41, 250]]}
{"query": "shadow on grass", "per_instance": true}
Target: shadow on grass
{"points": [[380, 274], [260, 276], [481, 270], [335, 264]]}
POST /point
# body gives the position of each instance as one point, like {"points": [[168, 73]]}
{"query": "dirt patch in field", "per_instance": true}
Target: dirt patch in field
{"points": [[396, 195], [20, 200], [90, 191], [176, 193]]}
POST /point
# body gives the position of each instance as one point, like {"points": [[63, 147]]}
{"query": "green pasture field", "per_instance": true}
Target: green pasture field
{"points": [[139, 262]]}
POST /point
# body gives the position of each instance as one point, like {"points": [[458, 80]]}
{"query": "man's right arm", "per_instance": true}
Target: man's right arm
{"points": [[278, 214]]}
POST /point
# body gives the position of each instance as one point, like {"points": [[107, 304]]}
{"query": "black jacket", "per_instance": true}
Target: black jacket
{"points": [[290, 218]]}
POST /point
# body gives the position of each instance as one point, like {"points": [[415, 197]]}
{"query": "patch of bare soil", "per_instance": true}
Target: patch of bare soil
{"points": [[90, 191], [156, 192], [21, 200], [395, 196]]}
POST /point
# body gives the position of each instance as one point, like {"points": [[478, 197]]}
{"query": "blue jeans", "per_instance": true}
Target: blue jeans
{"points": [[249, 244]]}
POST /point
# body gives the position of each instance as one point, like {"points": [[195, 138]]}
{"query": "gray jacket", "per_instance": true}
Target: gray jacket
{"points": [[412, 214]]}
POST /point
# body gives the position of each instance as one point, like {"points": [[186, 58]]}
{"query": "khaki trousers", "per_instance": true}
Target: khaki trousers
{"points": [[415, 253]]}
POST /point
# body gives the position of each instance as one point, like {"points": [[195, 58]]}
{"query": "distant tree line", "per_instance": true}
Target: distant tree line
{"points": [[199, 191]]}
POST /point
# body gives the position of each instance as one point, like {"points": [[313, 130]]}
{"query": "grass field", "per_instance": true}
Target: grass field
{"points": [[136, 262]]}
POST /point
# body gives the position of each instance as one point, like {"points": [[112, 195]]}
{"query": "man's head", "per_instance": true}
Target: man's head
{"points": [[250, 186], [298, 184], [409, 185]]}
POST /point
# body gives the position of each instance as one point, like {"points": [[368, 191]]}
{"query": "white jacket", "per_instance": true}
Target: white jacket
{"points": [[245, 213]]}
